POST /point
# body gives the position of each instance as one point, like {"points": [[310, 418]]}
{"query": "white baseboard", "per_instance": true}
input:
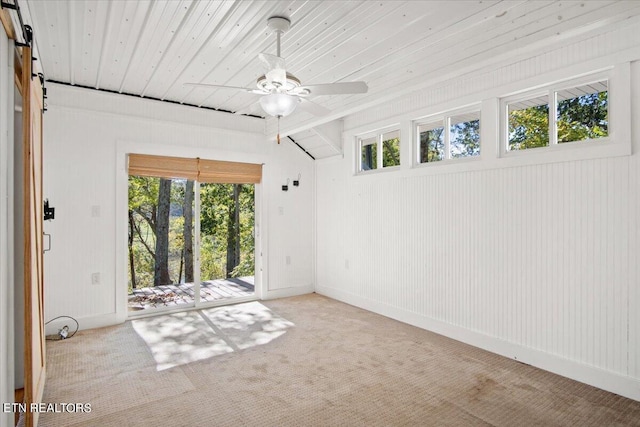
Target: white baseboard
{"points": [[597, 377], [110, 319], [86, 322], [288, 292]]}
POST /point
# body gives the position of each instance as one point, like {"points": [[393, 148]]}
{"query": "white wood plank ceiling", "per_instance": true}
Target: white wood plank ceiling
{"points": [[150, 48]]}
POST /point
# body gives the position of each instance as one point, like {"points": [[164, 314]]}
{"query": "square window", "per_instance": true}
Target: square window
{"points": [[464, 135], [369, 154], [582, 112], [379, 151], [528, 123], [391, 149], [431, 145]]}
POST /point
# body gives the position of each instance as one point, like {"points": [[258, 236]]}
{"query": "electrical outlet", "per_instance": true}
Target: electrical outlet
{"points": [[95, 279]]}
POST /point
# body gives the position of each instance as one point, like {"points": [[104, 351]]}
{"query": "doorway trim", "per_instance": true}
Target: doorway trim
{"points": [[123, 148]]}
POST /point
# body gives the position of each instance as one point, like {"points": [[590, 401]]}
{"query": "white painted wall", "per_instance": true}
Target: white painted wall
{"points": [[86, 137], [535, 257], [291, 221], [6, 227]]}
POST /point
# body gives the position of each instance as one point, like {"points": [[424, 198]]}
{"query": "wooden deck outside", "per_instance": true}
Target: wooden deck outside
{"points": [[183, 293]]}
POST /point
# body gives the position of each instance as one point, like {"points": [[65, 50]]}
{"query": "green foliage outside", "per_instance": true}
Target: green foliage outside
{"points": [[391, 152], [578, 118], [529, 128], [218, 230], [464, 141], [432, 145], [216, 202], [583, 117]]}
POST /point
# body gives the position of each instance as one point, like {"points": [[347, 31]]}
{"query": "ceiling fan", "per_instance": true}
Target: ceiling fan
{"points": [[281, 92]]}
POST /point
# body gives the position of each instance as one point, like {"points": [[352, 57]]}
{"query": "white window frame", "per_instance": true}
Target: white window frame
{"points": [[551, 92], [378, 136], [445, 120]]}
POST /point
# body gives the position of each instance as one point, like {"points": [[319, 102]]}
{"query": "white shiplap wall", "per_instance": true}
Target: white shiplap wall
{"points": [[538, 262], [87, 134]]}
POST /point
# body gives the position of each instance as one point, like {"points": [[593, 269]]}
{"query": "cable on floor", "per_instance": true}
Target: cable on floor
{"points": [[64, 332]]}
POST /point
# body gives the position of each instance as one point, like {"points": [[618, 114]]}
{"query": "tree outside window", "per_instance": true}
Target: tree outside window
{"points": [[379, 151], [461, 140], [579, 113]]}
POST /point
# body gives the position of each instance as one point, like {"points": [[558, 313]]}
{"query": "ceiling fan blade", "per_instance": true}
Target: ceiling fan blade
{"points": [[210, 86], [276, 72], [313, 108], [332, 88]]}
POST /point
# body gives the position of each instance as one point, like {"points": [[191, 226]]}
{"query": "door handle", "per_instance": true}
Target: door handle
{"points": [[48, 236]]}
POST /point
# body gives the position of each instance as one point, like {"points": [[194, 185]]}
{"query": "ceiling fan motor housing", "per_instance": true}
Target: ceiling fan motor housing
{"points": [[279, 24]]}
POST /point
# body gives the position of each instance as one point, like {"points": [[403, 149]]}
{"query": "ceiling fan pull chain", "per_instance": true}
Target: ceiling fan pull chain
{"points": [[278, 137]]}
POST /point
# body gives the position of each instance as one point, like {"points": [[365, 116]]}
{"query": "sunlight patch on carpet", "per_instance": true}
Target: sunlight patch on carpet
{"points": [[249, 324], [181, 338]]}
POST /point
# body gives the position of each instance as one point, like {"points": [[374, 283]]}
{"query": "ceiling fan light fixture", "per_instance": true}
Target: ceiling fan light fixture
{"points": [[278, 104]]}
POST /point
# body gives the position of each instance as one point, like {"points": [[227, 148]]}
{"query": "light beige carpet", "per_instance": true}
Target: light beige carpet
{"points": [[305, 361]]}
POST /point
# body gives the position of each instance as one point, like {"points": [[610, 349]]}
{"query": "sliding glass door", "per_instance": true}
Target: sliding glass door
{"points": [[191, 231], [160, 243], [226, 241], [189, 243]]}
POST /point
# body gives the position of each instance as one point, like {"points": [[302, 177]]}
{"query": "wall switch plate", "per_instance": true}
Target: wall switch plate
{"points": [[288, 260], [95, 211], [95, 278]]}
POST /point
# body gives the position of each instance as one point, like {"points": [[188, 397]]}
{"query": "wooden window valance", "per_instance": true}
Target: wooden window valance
{"points": [[215, 171]]}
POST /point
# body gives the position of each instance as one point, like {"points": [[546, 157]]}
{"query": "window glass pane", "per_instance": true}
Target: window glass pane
{"points": [[227, 245], [583, 112], [528, 123], [369, 154], [160, 243], [431, 144], [464, 135], [391, 149]]}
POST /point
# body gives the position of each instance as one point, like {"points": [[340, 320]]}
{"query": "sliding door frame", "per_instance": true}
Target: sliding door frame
{"points": [[257, 294], [123, 150]]}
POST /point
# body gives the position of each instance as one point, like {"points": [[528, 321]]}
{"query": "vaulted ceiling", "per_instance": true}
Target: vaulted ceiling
{"points": [[151, 48]]}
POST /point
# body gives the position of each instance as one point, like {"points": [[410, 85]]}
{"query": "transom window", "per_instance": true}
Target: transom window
{"points": [[378, 151], [557, 115], [462, 138]]}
